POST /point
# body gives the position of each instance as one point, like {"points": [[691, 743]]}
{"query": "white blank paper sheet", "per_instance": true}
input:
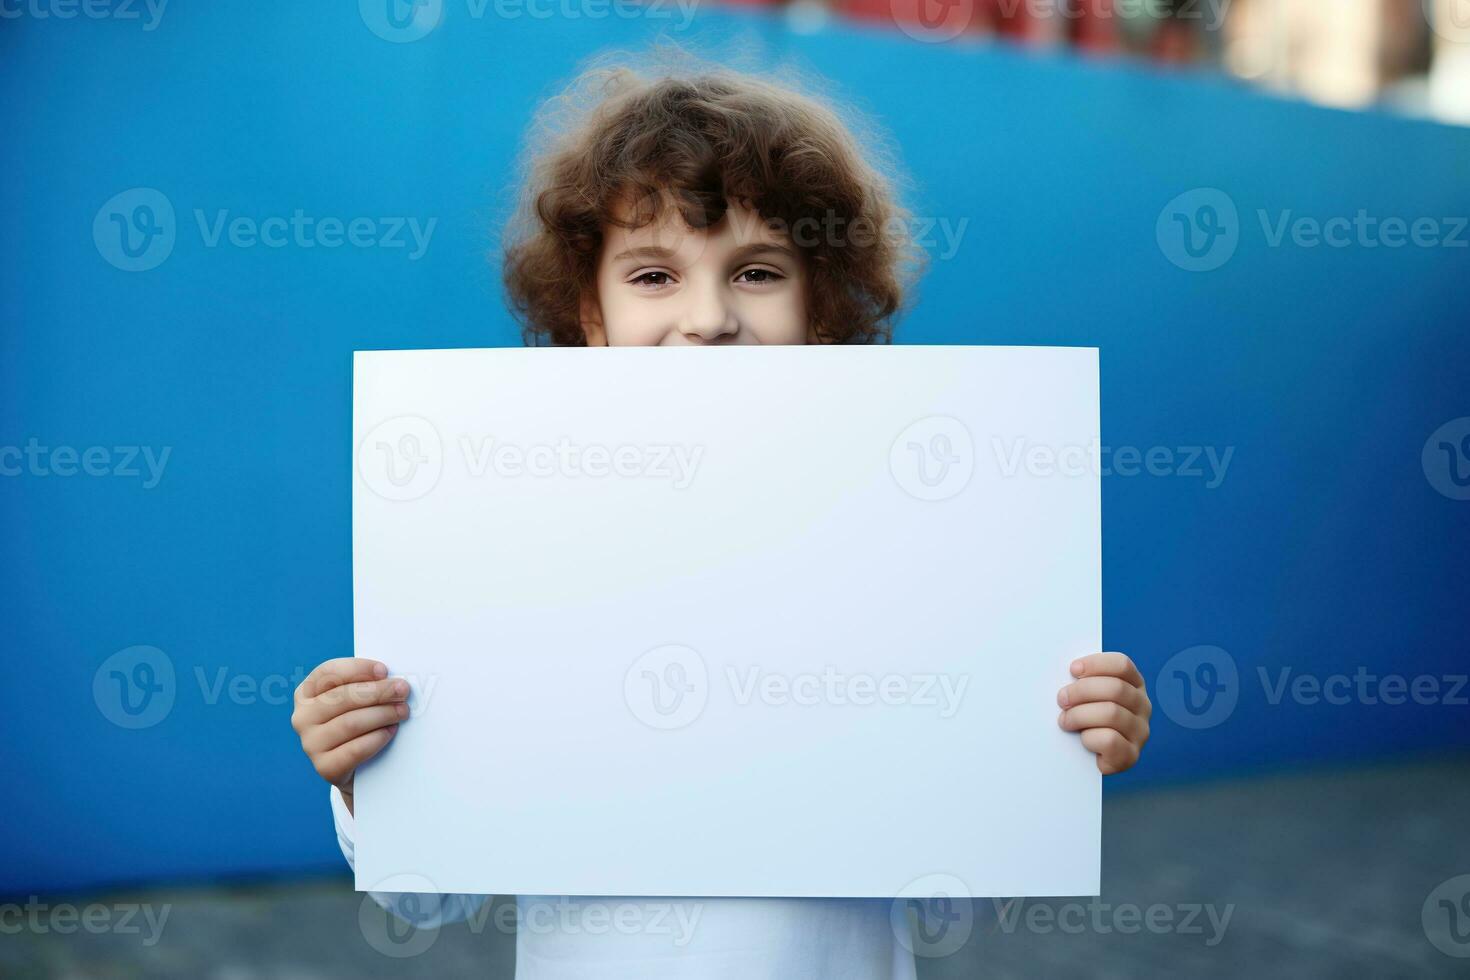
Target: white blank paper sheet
{"points": [[737, 621]]}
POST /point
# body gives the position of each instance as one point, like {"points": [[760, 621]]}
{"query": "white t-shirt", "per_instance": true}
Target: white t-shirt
{"points": [[561, 938]]}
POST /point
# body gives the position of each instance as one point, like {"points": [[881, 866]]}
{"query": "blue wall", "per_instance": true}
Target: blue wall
{"points": [[1326, 547]]}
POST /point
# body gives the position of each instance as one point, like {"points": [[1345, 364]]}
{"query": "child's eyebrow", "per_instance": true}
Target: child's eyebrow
{"points": [[746, 252], [645, 252], [742, 254]]}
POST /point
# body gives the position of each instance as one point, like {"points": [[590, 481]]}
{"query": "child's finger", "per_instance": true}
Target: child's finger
{"points": [[334, 673], [1105, 714], [362, 694], [338, 764], [1104, 689], [349, 725], [1108, 665], [1114, 752]]}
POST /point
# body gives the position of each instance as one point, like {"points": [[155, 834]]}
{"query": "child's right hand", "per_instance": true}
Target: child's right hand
{"points": [[346, 711]]}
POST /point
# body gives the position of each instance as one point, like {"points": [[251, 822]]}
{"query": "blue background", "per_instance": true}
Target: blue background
{"points": [[1325, 548]]}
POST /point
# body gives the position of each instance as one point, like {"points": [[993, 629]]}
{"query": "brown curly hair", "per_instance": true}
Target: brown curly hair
{"points": [[697, 141]]}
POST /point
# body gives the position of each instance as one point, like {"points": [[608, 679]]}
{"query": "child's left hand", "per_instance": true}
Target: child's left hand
{"points": [[1109, 705]]}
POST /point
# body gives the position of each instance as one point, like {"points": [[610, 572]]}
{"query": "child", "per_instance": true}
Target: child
{"points": [[711, 208]]}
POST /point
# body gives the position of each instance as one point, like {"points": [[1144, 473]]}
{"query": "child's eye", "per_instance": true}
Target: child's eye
{"points": [[650, 279], [762, 276]]}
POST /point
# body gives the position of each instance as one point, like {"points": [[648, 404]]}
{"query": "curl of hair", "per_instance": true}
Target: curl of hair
{"points": [[697, 138]]}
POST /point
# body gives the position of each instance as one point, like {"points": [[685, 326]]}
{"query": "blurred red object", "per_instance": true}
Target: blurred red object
{"points": [[1089, 24], [944, 19]]}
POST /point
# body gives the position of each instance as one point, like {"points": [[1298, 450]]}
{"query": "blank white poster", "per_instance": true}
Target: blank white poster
{"points": [[737, 621]]}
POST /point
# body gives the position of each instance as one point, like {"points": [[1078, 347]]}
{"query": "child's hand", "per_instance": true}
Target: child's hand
{"points": [[346, 711], [1109, 705]]}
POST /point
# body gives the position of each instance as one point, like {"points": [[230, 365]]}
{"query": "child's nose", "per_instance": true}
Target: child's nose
{"points": [[709, 315]]}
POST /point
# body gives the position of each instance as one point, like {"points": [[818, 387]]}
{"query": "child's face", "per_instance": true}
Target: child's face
{"points": [[737, 282]]}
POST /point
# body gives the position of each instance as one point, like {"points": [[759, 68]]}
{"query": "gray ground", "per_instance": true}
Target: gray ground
{"points": [[1324, 874]]}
